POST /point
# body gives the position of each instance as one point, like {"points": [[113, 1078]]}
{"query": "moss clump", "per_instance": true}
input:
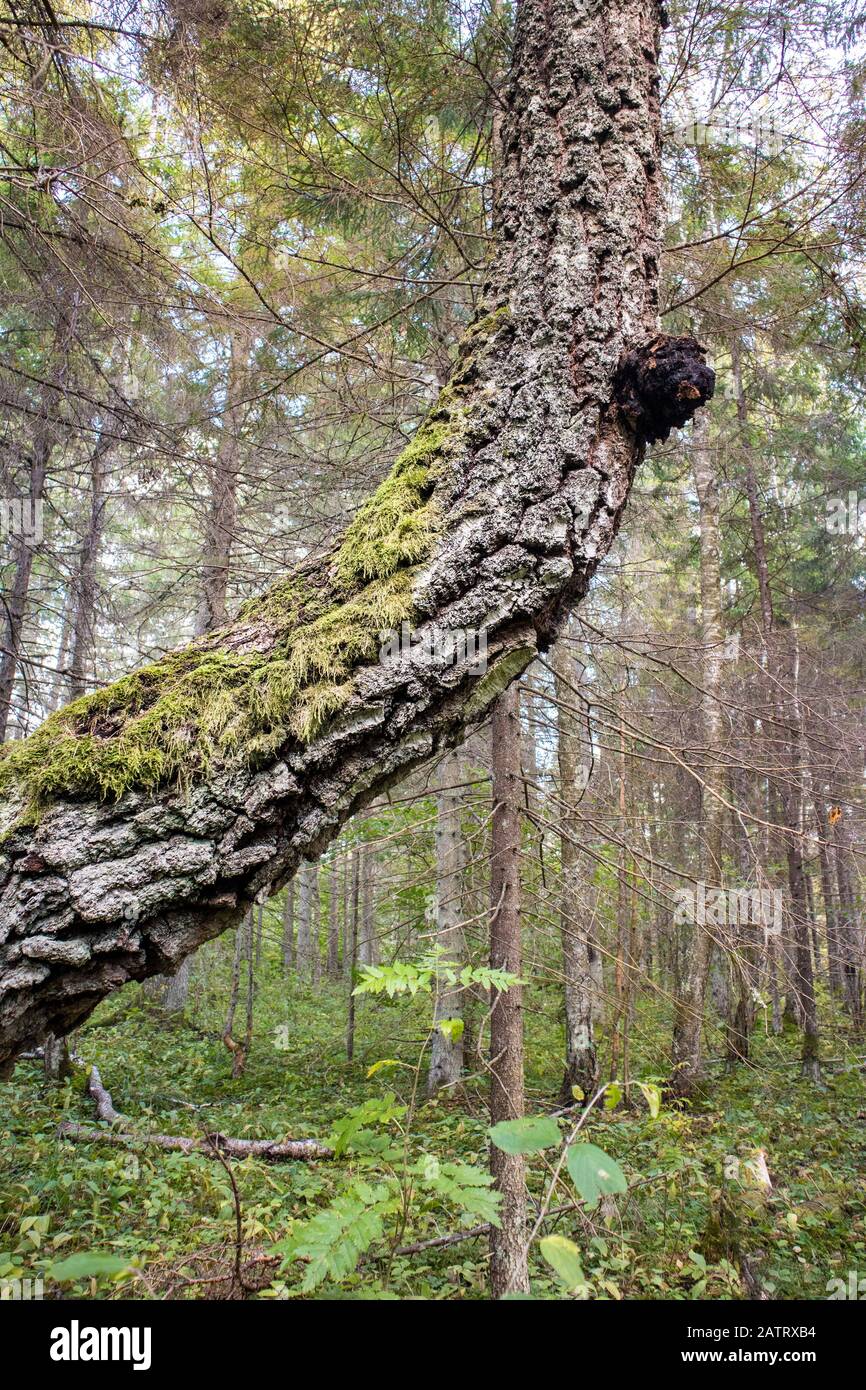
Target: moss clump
{"points": [[227, 697], [206, 705], [210, 704], [396, 525]]}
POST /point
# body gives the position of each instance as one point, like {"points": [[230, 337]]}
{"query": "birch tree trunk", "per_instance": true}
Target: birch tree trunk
{"points": [[144, 820]]}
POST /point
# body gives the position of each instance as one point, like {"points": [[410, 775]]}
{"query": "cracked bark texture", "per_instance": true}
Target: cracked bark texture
{"points": [[529, 494]]}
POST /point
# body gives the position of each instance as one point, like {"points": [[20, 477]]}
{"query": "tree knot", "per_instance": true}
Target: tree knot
{"points": [[662, 384]]}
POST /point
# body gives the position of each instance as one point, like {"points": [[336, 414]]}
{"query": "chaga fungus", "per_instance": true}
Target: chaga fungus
{"points": [[661, 385]]}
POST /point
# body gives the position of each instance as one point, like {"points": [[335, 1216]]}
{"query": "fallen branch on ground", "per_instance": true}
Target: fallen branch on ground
{"points": [[212, 1145]]}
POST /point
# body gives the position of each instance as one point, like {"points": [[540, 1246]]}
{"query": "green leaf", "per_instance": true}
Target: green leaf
{"points": [[653, 1097], [613, 1095], [594, 1172], [451, 1028], [381, 1065], [86, 1265], [333, 1241], [563, 1257], [526, 1136]]}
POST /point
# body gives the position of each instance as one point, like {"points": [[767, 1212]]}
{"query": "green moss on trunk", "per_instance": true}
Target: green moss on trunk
{"points": [[215, 702]]}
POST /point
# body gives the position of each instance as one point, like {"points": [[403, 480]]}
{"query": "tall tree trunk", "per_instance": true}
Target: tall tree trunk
{"points": [[217, 548], [26, 544], [828, 894], [221, 516], [333, 966], [800, 995], [850, 932], [581, 1063], [689, 1008], [509, 1271], [316, 930], [247, 752], [84, 588], [744, 957], [243, 955], [446, 1049], [289, 926], [756, 520], [367, 946], [306, 879], [351, 953]]}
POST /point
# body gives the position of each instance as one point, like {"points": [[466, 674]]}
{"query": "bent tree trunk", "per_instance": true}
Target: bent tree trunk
{"points": [[144, 819]]}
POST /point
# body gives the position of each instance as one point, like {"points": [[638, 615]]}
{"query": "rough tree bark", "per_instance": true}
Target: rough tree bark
{"points": [[245, 753]]}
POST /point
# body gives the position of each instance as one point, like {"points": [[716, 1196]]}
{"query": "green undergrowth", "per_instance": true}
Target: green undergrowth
{"points": [[162, 1216]]}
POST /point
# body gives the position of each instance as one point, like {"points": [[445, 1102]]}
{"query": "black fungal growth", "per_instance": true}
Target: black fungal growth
{"points": [[661, 385]]}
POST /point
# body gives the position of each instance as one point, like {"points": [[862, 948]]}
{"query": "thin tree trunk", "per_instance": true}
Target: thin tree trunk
{"points": [[800, 996], [333, 921], [27, 543], [509, 1272], [221, 518], [368, 946], [305, 910], [217, 548], [243, 954], [850, 930], [689, 1009], [581, 1062], [289, 926], [828, 894], [352, 952], [446, 1050], [84, 623]]}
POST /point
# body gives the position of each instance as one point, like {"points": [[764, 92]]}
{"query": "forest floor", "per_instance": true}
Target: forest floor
{"points": [[155, 1224]]}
